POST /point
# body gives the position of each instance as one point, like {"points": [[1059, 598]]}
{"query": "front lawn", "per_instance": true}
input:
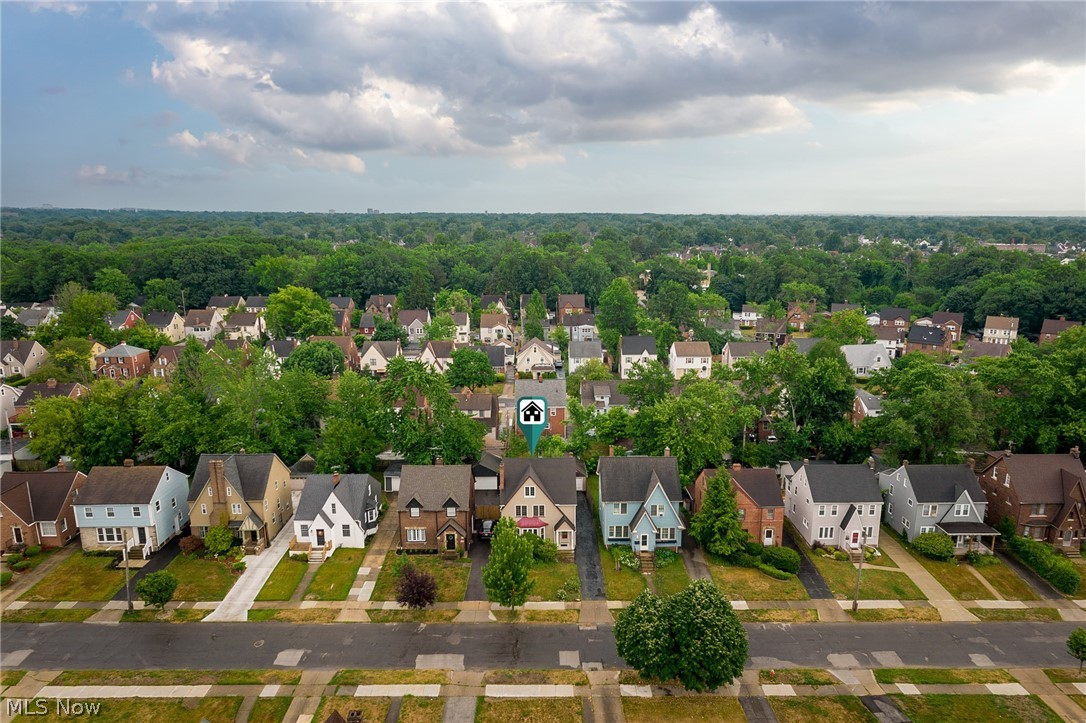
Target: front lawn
{"points": [[43, 555], [685, 709], [620, 584], [201, 579], [80, 577], [336, 575], [48, 615], [797, 676], [529, 710], [957, 578], [975, 708], [550, 577], [943, 676], [390, 677], [421, 710], [837, 708], [284, 580], [270, 710], [840, 576], [451, 577], [896, 615], [1006, 581], [785, 615], [291, 615], [166, 710], [1040, 615], [670, 578], [746, 583]]}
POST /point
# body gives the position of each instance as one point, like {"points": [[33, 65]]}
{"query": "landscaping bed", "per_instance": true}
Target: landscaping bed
{"points": [[620, 584], [336, 575]]}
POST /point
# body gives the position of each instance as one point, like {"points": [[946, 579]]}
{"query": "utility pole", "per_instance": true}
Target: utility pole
{"points": [[860, 568]]}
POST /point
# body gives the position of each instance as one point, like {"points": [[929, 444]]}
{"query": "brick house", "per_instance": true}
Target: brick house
{"points": [[436, 507], [1052, 328], [950, 321], [758, 497], [800, 314], [123, 362], [381, 305], [894, 317], [570, 304], [554, 391], [37, 507], [930, 339]]}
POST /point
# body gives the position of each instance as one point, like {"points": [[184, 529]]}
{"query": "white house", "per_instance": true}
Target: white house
{"points": [[834, 504], [747, 316], [169, 323], [580, 327], [463, 326], [538, 356], [580, 352], [336, 511], [414, 322], [1000, 329], [21, 357], [866, 358], [203, 324], [244, 325], [377, 354], [437, 355], [635, 350], [493, 327], [690, 356]]}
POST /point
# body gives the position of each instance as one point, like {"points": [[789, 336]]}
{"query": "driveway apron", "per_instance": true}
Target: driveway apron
{"points": [[587, 554], [479, 554], [808, 574]]}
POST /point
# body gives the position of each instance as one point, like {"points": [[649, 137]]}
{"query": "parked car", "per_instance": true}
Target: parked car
{"points": [[486, 531]]}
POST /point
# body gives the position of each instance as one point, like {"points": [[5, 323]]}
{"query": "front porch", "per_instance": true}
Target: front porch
{"points": [[315, 553], [975, 537]]}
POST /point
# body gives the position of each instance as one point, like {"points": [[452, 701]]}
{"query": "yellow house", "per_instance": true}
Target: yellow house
{"points": [[540, 495], [250, 493]]}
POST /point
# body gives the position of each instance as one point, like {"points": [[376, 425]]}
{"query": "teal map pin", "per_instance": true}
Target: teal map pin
{"points": [[532, 419]]}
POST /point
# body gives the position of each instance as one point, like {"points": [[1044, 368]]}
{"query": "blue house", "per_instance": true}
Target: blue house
{"points": [[639, 502], [139, 507]]}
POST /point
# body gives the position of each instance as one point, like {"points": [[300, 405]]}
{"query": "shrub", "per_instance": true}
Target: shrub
{"points": [[219, 540], [1064, 576], [572, 586], [773, 572], [977, 559], [665, 558], [543, 550], [33, 551], [20, 566], [236, 553], [157, 588], [5, 577], [300, 557], [742, 559], [936, 545], [840, 555], [560, 594], [14, 558], [239, 566], [191, 545], [782, 558], [626, 557], [400, 565], [1059, 571], [752, 548]]}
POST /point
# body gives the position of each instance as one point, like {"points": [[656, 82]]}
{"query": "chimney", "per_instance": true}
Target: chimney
{"points": [[129, 463], [439, 460], [736, 466], [60, 466], [904, 463], [805, 460], [871, 463], [241, 451], [501, 475], [971, 463], [1075, 452], [335, 478], [610, 450], [667, 451], [51, 383]]}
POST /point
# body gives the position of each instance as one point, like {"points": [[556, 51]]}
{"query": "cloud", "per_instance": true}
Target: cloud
{"points": [[101, 175], [73, 9], [320, 84]]}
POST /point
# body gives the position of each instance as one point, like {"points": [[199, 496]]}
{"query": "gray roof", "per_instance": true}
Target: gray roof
{"points": [[356, 492], [893, 312], [805, 344], [124, 350], [556, 475], [942, 317], [585, 350], [256, 302], [159, 319], [865, 355], [432, 485], [281, 348], [387, 349], [926, 335], [585, 319], [246, 472], [760, 484], [366, 321], [870, 401], [120, 485], [843, 483], [631, 345], [743, 349], [410, 316], [943, 482], [496, 355], [304, 466], [626, 479], [553, 390], [605, 387], [487, 466]]}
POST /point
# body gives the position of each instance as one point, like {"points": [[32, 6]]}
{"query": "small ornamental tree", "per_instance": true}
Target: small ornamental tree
{"points": [[716, 525], [1076, 645], [506, 575], [693, 636], [416, 588], [219, 540], [157, 588]]}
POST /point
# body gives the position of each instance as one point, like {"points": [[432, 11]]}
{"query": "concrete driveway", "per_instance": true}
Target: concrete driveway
{"points": [[478, 554], [589, 568], [258, 568]]}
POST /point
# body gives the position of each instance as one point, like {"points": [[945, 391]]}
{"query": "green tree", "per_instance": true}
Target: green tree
{"points": [[591, 275], [592, 370], [441, 328], [618, 308], [12, 329], [506, 576], [418, 294], [717, 525], [470, 368], [114, 281], [649, 383], [162, 295], [356, 426], [69, 361], [693, 636], [219, 540], [845, 327], [296, 312], [146, 337], [84, 313], [323, 358], [450, 300], [534, 315], [674, 303], [385, 330], [157, 588], [1076, 645]]}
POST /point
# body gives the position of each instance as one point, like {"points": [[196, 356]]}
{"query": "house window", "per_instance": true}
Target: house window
{"points": [[666, 534], [229, 492], [833, 510], [88, 512], [110, 512], [871, 510], [416, 534], [109, 534], [961, 510], [890, 508], [47, 529], [265, 505], [905, 522], [822, 510], [529, 491], [909, 502], [1035, 511], [278, 504], [656, 510], [203, 509], [869, 532], [618, 532], [891, 489], [1007, 481], [173, 502], [742, 514], [619, 508], [539, 510], [924, 529], [520, 511], [64, 524], [450, 512], [931, 510], [805, 523], [304, 531], [793, 508], [770, 514], [415, 511], [136, 510], [210, 492], [346, 530], [333, 508], [235, 508]]}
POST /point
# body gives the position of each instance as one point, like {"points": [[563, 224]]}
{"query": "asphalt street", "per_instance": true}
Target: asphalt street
{"points": [[63, 646]]}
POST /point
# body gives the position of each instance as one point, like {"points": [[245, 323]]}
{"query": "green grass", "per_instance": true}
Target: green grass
{"points": [[671, 579], [593, 484], [284, 580], [549, 577], [797, 676], [687, 709], [32, 615], [620, 584], [421, 710], [529, 710], [390, 677], [1066, 675], [1007, 582], [451, 577], [428, 615], [178, 677], [373, 709], [535, 677], [269, 710], [840, 576], [894, 615], [884, 560], [336, 575], [1030, 614], [837, 708], [537, 616], [38, 559], [957, 578], [119, 710], [943, 676], [11, 677], [153, 615], [308, 615], [201, 579], [975, 708], [777, 616], [744, 583], [80, 577]]}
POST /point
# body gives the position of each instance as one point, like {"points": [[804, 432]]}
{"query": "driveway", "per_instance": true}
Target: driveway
{"points": [[1035, 581], [587, 554], [478, 554], [808, 574], [258, 568], [159, 560]]}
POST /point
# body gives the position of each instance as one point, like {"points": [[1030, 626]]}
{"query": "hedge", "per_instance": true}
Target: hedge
{"points": [[773, 572], [5, 577], [1047, 563], [936, 545], [783, 558]]}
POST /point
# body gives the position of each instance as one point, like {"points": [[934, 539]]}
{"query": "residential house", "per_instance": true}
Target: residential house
{"points": [[224, 348], [602, 395], [800, 314], [497, 301], [634, 350], [9, 398], [775, 332], [138, 507], [250, 493], [299, 473], [123, 319], [381, 305], [244, 325], [838, 308], [256, 304], [481, 406], [524, 299], [864, 405], [377, 354], [758, 498], [392, 476], [43, 390], [950, 321], [37, 315], [21, 357], [540, 496], [342, 303], [570, 304], [690, 356], [123, 362], [895, 317], [165, 363], [863, 359], [341, 321], [975, 349], [946, 498], [414, 322], [226, 302], [1043, 494], [580, 327], [1052, 328], [892, 338], [640, 499], [280, 350], [538, 357], [929, 339], [748, 315], [335, 511], [367, 324], [1000, 329], [581, 352], [347, 346], [37, 507], [436, 507], [169, 323], [735, 350], [835, 504], [203, 324], [554, 391], [437, 355], [493, 327], [462, 319], [501, 356], [803, 344]]}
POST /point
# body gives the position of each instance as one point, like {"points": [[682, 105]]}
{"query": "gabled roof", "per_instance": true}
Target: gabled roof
{"points": [[557, 476], [19, 348], [744, 349], [842, 483], [585, 319], [432, 485], [340, 302], [120, 485], [410, 316], [625, 479], [975, 348], [804, 344], [35, 390], [282, 348], [248, 473], [256, 302], [637, 345], [36, 496], [496, 355], [440, 349], [492, 320], [461, 318], [586, 349], [1039, 477], [160, 319], [222, 302], [366, 321], [943, 482], [123, 350], [769, 326], [606, 387], [545, 346], [119, 318], [1057, 326], [573, 300], [304, 466], [761, 485], [243, 318], [865, 355], [474, 401], [381, 301], [487, 466], [387, 349], [355, 492], [893, 312], [945, 317], [870, 401], [201, 317], [1009, 323], [929, 335], [487, 299], [889, 333], [691, 348], [553, 390]]}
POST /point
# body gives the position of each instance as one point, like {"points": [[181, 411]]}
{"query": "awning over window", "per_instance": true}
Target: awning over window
{"points": [[530, 523]]}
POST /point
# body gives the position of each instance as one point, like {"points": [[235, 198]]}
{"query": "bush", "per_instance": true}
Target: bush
{"points": [[936, 545], [33, 551], [543, 550], [977, 559], [300, 557], [1064, 576], [191, 545], [572, 586], [236, 553], [219, 540], [782, 558], [840, 555], [774, 572], [239, 566], [157, 588], [560, 595], [626, 557], [400, 565], [666, 557], [20, 566], [752, 548], [742, 559], [1047, 563], [14, 558], [5, 577]]}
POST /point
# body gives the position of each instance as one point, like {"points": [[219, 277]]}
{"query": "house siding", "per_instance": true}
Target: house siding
{"points": [[802, 511]]}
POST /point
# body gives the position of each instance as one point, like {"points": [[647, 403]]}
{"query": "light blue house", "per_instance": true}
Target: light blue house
{"points": [[138, 507], [639, 502]]}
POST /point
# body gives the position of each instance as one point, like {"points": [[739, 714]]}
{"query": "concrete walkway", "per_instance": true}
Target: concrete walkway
{"points": [[950, 610], [258, 568]]}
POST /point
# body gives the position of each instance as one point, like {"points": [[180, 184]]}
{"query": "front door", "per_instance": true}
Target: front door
{"points": [[768, 542], [17, 535], [1067, 539], [644, 541], [855, 538], [141, 535], [320, 538], [563, 538], [450, 541]]}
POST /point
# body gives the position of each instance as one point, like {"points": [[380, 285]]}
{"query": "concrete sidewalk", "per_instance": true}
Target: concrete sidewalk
{"points": [[258, 568], [950, 610]]}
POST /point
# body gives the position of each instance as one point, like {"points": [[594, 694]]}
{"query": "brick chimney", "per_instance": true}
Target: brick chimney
{"points": [[904, 463], [51, 383], [439, 460], [667, 451], [501, 475], [736, 466], [971, 463], [610, 450], [129, 463], [335, 478], [60, 466], [1075, 452]]}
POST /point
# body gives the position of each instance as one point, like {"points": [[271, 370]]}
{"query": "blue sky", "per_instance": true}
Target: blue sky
{"points": [[644, 107]]}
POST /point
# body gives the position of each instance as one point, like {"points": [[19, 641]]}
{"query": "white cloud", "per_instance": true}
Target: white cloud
{"points": [[73, 9], [101, 175]]}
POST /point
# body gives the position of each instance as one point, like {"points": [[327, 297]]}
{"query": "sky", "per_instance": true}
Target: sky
{"points": [[670, 107]]}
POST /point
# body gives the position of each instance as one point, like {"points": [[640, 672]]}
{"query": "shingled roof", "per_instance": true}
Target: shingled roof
{"points": [[761, 485], [1040, 477], [637, 345], [432, 485], [121, 485], [842, 483], [356, 492], [246, 472], [556, 475], [624, 479], [36, 496], [943, 482]]}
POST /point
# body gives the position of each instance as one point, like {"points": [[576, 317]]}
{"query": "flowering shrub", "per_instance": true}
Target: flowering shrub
{"points": [[626, 557]]}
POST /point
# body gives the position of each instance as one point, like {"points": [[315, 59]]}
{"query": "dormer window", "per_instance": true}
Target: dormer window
{"points": [[450, 512]]}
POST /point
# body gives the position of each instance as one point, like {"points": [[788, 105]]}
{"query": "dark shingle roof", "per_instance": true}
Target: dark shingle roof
{"points": [[608, 386], [246, 472], [432, 485], [635, 345], [932, 335], [943, 482], [893, 312], [761, 485], [281, 348], [943, 317], [36, 496], [842, 483], [743, 349], [356, 492], [1058, 326], [42, 390], [586, 349], [556, 475], [625, 479], [120, 485], [159, 319], [304, 466], [1040, 477], [553, 390]]}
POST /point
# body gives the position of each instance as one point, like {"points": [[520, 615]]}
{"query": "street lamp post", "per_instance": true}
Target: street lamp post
{"points": [[860, 568]]}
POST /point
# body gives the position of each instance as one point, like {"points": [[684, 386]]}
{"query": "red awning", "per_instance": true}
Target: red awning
{"points": [[530, 523]]}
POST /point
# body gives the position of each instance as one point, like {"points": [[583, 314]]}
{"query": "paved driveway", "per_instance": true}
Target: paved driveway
{"points": [[159, 560], [479, 554], [587, 555], [258, 568], [808, 574]]}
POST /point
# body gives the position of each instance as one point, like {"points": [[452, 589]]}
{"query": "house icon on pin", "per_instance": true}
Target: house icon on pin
{"points": [[531, 413]]}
